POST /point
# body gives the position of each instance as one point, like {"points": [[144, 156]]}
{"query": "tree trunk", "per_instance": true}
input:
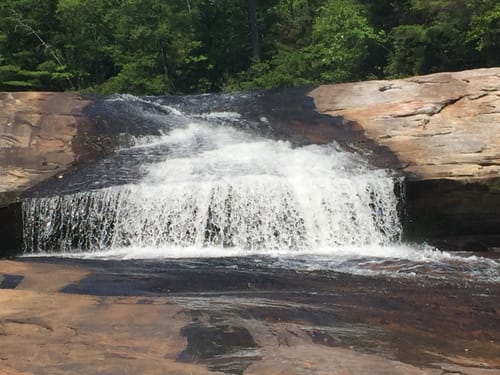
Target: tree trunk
{"points": [[254, 30]]}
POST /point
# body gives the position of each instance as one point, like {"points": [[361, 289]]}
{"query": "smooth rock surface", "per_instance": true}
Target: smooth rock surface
{"points": [[60, 317], [444, 125], [37, 130], [445, 131]]}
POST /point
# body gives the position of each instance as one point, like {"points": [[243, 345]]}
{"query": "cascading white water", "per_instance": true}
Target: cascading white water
{"points": [[220, 187], [207, 189]]}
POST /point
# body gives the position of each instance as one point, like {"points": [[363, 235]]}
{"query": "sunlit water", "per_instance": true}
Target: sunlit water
{"points": [[208, 189]]}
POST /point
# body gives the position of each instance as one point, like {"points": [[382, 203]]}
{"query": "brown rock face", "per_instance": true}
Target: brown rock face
{"points": [[445, 130], [42, 135], [36, 137], [444, 125]]}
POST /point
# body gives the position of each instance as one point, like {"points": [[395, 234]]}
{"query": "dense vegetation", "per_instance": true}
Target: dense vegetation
{"points": [[184, 46]]}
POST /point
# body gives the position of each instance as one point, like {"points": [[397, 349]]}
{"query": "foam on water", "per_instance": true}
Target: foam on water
{"points": [[221, 187], [233, 116], [218, 192]]}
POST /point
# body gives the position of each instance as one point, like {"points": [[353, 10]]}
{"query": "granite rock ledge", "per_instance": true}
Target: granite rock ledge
{"points": [[445, 131], [37, 132], [445, 125]]}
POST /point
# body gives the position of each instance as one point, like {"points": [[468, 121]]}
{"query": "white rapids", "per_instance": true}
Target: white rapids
{"points": [[219, 191]]}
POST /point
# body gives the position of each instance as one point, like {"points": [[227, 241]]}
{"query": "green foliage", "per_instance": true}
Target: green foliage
{"points": [[484, 30], [339, 43], [409, 44], [179, 46], [341, 37], [87, 40], [436, 41], [288, 68], [495, 185]]}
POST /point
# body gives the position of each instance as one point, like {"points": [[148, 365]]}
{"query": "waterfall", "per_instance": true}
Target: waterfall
{"points": [[205, 184], [214, 185]]}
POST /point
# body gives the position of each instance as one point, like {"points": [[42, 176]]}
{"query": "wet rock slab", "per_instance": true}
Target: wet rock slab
{"points": [[130, 317]]}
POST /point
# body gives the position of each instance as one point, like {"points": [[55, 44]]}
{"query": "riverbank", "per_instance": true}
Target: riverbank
{"points": [[183, 317]]}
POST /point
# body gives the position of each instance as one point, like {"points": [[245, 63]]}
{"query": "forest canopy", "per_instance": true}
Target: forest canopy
{"points": [[188, 46]]}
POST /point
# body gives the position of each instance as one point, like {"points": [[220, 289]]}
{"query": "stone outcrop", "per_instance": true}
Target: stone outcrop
{"points": [[37, 141], [444, 125], [445, 131], [37, 130], [42, 136]]}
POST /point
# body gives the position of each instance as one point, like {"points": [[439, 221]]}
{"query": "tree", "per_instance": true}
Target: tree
{"points": [[30, 59], [85, 44], [185, 46], [484, 29], [436, 41], [254, 30], [341, 39], [337, 50]]}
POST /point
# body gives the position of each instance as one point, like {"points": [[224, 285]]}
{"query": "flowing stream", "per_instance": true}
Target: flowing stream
{"points": [[205, 186]]}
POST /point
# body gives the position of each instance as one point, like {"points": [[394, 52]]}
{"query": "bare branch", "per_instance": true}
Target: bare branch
{"points": [[20, 22]]}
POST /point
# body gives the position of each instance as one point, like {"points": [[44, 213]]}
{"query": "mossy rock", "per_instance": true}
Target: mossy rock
{"points": [[8, 197]]}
